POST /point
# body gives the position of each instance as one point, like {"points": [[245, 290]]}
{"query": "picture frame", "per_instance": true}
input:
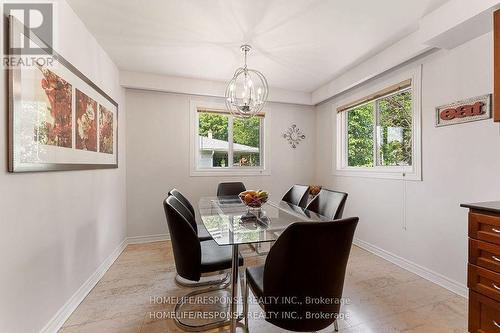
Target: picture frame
{"points": [[58, 119]]}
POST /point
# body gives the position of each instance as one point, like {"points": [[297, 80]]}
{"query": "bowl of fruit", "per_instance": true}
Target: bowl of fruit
{"points": [[254, 199]]}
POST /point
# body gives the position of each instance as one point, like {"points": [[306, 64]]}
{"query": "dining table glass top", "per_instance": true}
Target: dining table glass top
{"points": [[230, 222]]}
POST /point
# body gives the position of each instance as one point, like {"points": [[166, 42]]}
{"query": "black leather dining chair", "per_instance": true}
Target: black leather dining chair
{"points": [[308, 261], [297, 195], [194, 259], [200, 229], [230, 188], [328, 203]]}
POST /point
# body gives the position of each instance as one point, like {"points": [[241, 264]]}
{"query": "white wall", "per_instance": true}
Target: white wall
{"points": [[58, 227], [460, 164], [158, 155]]}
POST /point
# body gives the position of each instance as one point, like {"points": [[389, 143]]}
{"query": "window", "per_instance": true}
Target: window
{"points": [[390, 119], [228, 143], [378, 135]]}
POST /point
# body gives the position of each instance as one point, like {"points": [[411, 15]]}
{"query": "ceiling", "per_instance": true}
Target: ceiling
{"points": [[298, 44]]}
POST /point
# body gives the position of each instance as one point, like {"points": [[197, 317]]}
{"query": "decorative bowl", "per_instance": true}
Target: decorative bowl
{"points": [[254, 199]]}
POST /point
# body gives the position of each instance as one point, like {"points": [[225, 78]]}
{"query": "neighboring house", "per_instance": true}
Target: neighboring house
{"points": [[213, 153]]}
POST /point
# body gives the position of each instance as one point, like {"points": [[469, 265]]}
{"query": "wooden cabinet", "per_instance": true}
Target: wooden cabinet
{"points": [[483, 314], [484, 282], [496, 65], [484, 254], [483, 277]]}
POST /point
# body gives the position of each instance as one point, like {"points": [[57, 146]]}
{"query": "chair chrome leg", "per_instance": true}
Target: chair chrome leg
{"points": [[213, 285], [182, 282], [336, 325], [202, 327]]}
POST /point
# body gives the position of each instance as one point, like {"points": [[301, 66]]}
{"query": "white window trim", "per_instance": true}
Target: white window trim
{"points": [[414, 172], [264, 169]]}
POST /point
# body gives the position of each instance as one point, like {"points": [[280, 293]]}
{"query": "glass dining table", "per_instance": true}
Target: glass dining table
{"points": [[231, 223]]}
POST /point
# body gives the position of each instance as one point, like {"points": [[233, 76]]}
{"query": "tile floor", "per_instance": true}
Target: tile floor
{"points": [[132, 297]]}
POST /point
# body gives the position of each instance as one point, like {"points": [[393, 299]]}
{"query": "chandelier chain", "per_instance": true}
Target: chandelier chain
{"points": [[245, 56]]}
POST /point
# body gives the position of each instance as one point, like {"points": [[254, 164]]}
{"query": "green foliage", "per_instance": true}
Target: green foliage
{"points": [[219, 159], [395, 114], [360, 136], [394, 132], [214, 122], [247, 131], [246, 159]]}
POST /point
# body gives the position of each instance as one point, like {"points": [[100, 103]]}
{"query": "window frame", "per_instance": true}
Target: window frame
{"points": [[230, 170], [340, 163]]}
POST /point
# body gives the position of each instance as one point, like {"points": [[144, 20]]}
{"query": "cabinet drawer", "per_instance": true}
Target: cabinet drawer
{"points": [[485, 227], [484, 281], [484, 254], [484, 314]]}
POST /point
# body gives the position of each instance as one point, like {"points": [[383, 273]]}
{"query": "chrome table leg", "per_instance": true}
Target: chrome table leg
{"points": [[245, 305], [234, 289]]}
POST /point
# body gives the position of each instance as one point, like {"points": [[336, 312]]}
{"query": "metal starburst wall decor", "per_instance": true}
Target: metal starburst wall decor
{"points": [[294, 135]]}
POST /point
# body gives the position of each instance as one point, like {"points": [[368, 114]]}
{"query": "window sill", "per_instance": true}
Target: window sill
{"points": [[229, 172], [401, 174]]}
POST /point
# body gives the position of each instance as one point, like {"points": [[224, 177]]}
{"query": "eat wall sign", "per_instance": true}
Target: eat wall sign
{"points": [[471, 109]]}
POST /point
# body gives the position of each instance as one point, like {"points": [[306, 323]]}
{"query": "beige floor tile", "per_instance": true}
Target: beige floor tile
{"points": [[124, 324], [138, 293]]}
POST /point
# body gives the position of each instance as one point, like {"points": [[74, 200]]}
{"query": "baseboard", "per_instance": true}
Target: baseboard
{"points": [[67, 309], [148, 239], [427, 274]]}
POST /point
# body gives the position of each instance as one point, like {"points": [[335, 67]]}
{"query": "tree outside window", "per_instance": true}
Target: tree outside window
{"points": [[228, 142], [379, 132]]}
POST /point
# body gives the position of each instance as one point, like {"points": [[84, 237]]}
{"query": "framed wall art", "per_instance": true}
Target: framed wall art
{"points": [[58, 118]]}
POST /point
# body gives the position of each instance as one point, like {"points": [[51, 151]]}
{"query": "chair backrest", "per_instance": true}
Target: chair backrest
{"points": [[328, 203], [309, 259], [176, 193], [231, 188], [185, 243], [189, 211], [297, 195]]}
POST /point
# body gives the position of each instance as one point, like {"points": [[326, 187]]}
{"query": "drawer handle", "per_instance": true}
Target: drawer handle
{"points": [[496, 324], [495, 230], [495, 258], [495, 286]]}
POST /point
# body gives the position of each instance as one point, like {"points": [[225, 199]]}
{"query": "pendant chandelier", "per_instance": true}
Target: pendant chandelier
{"points": [[247, 91]]}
